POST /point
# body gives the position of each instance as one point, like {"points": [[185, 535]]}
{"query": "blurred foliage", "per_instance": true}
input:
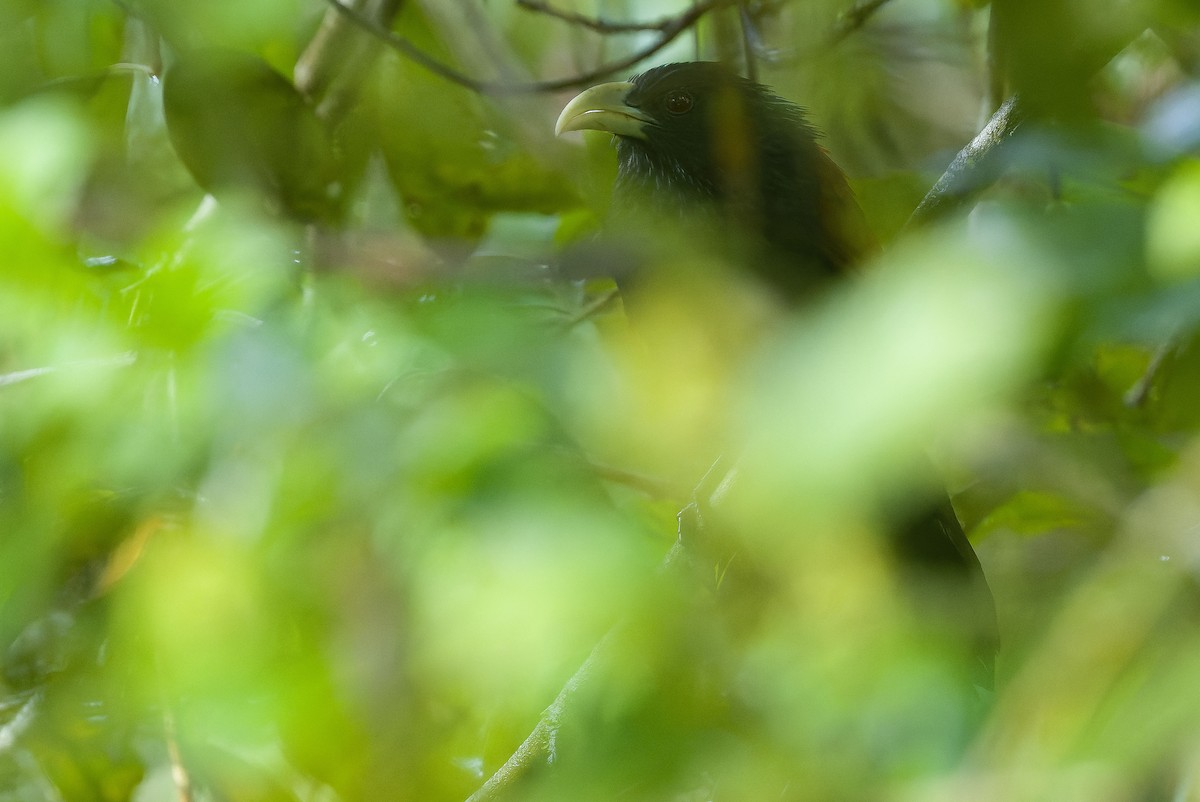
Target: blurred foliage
{"points": [[321, 490]]}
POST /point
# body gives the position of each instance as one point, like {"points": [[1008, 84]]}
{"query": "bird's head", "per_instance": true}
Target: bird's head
{"points": [[694, 128], [698, 134]]}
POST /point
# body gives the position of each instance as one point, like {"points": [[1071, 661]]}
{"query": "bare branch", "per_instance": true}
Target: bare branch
{"points": [[972, 169], [854, 18], [539, 748], [592, 23], [848, 22], [179, 773], [651, 486], [996, 68], [593, 308], [1137, 395], [27, 705], [18, 376], [668, 30], [750, 35], [331, 68]]}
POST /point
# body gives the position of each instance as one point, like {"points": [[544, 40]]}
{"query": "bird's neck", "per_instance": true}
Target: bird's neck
{"points": [[792, 199], [643, 173]]}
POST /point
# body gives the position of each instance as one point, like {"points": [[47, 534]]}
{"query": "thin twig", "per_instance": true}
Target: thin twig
{"points": [[848, 22], [118, 361], [854, 18], [750, 35], [591, 23], [995, 63], [593, 308], [18, 723], [1140, 391], [179, 772], [971, 171], [668, 30], [650, 485], [540, 747]]}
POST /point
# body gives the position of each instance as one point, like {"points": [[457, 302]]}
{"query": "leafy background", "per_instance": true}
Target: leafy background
{"points": [[323, 490]]}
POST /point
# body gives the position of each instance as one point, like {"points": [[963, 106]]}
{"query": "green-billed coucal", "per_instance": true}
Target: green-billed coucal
{"points": [[699, 141]]}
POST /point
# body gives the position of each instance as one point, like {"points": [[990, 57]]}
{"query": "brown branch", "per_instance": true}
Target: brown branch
{"points": [[668, 30], [592, 23]]}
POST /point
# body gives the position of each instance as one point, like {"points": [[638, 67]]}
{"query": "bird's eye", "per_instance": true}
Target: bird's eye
{"points": [[679, 102]]}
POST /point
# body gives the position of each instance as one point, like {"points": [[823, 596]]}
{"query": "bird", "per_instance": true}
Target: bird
{"points": [[696, 140]]}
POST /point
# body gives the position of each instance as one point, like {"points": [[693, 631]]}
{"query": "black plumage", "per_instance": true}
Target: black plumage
{"points": [[698, 141]]}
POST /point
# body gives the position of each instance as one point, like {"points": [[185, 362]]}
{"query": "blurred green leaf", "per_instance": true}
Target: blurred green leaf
{"points": [[1173, 241], [46, 149], [315, 512], [241, 127], [941, 326], [454, 157]]}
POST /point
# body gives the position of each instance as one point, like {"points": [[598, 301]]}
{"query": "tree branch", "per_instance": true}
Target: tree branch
{"points": [[848, 22], [750, 35], [972, 169], [651, 486], [854, 18], [331, 68], [593, 308], [1136, 396], [592, 23], [539, 748], [668, 30]]}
